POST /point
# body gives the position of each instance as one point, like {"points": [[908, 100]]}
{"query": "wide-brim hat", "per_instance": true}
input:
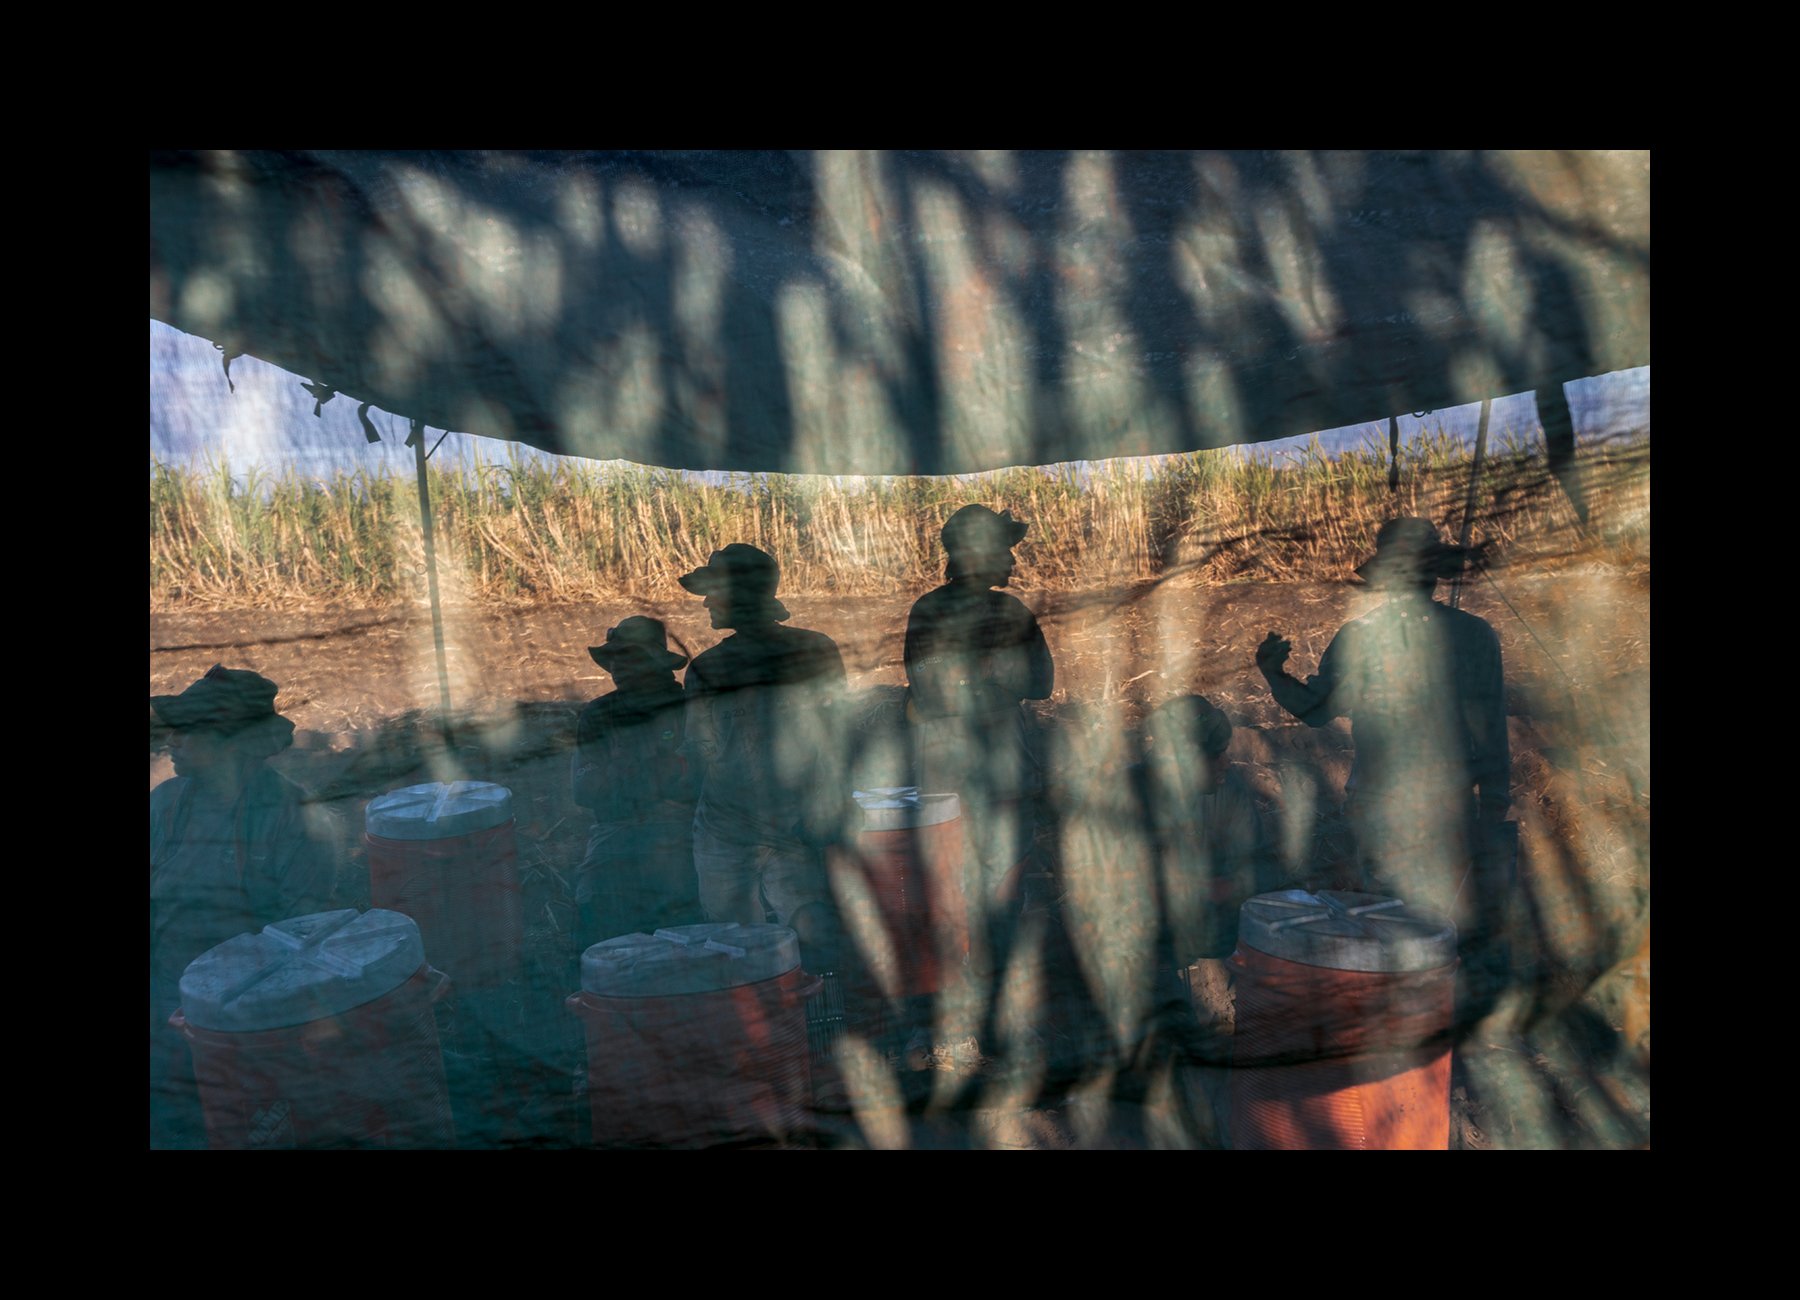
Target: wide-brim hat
{"points": [[232, 701], [1409, 549], [739, 568], [222, 699], [749, 575], [977, 528], [638, 635]]}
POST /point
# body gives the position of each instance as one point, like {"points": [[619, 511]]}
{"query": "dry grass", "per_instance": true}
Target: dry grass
{"points": [[581, 532]]}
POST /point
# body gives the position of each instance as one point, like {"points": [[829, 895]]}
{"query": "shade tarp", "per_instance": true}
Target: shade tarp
{"points": [[906, 312]]}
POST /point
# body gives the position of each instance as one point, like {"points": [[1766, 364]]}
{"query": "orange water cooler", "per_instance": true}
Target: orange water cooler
{"points": [[1344, 1016], [697, 1037], [899, 883], [444, 854], [318, 1032]]}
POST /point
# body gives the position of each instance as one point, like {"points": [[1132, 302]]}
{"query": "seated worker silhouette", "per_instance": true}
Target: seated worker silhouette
{"points": [[629, 770], [1423, 688], [233, 847], [1214, 829], [974, 655], [761, 729]]}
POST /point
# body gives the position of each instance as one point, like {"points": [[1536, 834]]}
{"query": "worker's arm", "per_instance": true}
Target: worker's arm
{"points": [[925, 670], [1490, 750], [831, 667], [700, 729], [1309, 700], [1043, 667], [587, 778], [288, 859], [1015, 659]]}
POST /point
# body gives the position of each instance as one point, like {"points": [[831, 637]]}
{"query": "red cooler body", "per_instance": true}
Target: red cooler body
{"points": [[318, 1032], [1345, 1004], [900, 885], [445, 855], [696, 1036]]}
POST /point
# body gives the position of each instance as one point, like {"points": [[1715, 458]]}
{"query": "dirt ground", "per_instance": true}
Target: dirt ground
{"points": [[1563, 1062]]}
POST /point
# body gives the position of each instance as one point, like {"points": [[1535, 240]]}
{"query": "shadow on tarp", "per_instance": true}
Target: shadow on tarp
{"points": [[911, 311]]}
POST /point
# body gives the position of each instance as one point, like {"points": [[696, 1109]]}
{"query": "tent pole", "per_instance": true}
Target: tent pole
{"points": [[1468, 523], [437, 613]]}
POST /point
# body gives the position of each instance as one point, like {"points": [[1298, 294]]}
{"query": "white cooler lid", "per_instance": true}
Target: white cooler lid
{"points": [[301, 970], [688, 959], [899, 808], [437, 811], [1346, 931]]}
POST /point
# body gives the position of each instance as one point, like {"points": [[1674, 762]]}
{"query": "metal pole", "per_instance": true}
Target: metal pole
{"points": [[437, 613], [1474, 484]]}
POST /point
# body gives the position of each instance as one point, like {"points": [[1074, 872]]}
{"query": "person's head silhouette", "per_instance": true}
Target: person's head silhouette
{"points": [[636, 652], [979, 544], [739, 583], [223, 724], [1409, 555]]}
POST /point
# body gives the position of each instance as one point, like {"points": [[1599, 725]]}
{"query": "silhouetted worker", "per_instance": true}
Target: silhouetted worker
{"points": [[1424, 691], [630, 771], [1220, 846], [232, 849], [974, 655], [761, 725]]}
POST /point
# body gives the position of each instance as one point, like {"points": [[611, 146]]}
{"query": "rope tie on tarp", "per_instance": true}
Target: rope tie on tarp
{"points": [[322, 393], [228, 358]]}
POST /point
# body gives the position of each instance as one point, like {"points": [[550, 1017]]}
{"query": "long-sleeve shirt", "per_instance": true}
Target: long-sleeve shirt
{"points": [[1423, 687], [628, 767], [216, 873], [761, 728], [973, 652]]}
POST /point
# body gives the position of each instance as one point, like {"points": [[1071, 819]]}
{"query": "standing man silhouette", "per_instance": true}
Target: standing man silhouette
{"points": [[974, 655], [761, 726], [630, 772], [233, 847], [1425, 693]]}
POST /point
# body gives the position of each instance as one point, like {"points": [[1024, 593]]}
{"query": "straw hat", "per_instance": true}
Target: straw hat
{"points": [[638, 636], [1408, 549], [234, 702]]}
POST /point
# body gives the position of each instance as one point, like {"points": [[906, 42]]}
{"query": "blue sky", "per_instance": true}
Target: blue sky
{"points": [[268, 422]]}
